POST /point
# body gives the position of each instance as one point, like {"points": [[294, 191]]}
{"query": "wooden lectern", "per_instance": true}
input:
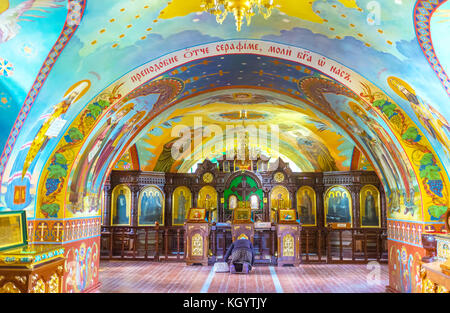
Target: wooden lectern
{"points": [[196, 237], [27, 268], [288, 234], [242, 225]]}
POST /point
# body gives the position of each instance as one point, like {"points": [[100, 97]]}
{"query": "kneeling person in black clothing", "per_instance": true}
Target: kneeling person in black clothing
{"points": [[242, 256]]}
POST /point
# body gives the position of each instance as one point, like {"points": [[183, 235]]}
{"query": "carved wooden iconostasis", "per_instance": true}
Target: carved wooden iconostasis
{"points": [[340, 199]]}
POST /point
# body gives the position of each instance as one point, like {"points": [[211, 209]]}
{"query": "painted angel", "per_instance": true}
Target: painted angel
{"points": [[425, 116], [10, 17]]}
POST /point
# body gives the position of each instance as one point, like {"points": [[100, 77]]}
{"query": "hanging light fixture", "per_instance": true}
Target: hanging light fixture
{"points": [[239, 8]]}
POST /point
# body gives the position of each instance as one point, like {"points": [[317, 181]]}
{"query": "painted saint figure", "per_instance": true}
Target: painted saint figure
{"points": [[232, 202], [432, 125], [370, 218], [165, 160], [306, 214], [143, 217], [280, 202], [254, 203], [121, 209], [338, 208]]}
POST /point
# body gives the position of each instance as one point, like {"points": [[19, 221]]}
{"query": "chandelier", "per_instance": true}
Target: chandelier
{"points": [[246, 148], [240, 9]]}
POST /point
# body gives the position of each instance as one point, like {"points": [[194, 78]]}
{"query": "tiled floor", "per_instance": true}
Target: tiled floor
{"points": [[138, 276]]}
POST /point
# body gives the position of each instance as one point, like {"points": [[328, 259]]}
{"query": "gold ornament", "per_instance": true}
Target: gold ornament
{"points": [[239, 8], [197, 245], [288, 245], [53, 284]]}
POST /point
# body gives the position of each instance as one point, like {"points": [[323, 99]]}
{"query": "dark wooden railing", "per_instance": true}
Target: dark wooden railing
{"points": [[319, 245], [153, 243]]}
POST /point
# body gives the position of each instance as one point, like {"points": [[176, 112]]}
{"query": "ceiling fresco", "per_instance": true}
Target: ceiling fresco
{"points": [[325, 148], [423, 13], [23, 51], [128, 72]]}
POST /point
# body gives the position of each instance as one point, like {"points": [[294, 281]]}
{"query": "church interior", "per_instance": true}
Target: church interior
{"points": [[141, 138]]}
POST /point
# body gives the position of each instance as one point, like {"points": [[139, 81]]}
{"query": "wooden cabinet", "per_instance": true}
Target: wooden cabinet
{"points": [[44, 278], [196, 242]]}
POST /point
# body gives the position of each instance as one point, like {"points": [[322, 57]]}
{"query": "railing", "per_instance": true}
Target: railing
{"points": [[319, 245], [347, 245]]}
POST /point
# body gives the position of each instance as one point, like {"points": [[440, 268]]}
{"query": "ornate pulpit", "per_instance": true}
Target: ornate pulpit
{"points": [[242, 224], [196, 237], [27, 268], [435, 271], [288, 234]]}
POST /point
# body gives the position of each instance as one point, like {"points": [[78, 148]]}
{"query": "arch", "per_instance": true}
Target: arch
{"points": [[279, 199], [121, 205], [413, 147], [151, 206], [405, 141], [306, 206], [275, 192], [338, 207], [423, 11], [181, 194], [243, 236], [232, 202], [255, 201], [208, 199]]}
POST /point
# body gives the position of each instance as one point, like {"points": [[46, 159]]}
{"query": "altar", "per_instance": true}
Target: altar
{"points": [[239, 201], [196, 237], [435, 266], [288, 236]]}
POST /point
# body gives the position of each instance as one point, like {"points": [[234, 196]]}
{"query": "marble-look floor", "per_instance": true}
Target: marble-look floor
{"points": [[139, 276]]}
